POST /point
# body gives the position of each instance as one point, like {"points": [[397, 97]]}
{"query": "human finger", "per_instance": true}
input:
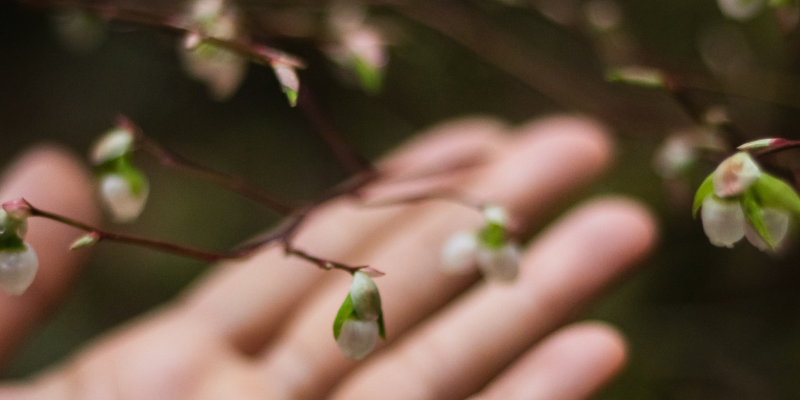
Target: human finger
{"points": [[571, 364], [462, 348], [548, 160], [246, 301]]}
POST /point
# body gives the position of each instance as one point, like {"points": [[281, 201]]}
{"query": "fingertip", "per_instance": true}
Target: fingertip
{"points": [[636, 223], [608, 342], [445, 145], [587, 139]]}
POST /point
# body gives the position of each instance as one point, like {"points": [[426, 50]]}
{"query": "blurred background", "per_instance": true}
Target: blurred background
{"points": [[703, 322]]}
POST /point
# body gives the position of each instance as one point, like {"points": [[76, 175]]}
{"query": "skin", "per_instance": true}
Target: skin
{"points": [[260, 328]]}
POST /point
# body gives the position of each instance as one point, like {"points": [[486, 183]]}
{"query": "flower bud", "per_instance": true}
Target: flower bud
{"points": [[124, 195], [500, 264], [289, 81], [762, 144], [85, 241], [636, 75], [723, 221], [365, 297], [735, 175], [358, 338], [114, 144], [222, 70], [17, 269], [740, 9], [776, 222], [459, 254], [10, 226], [496, 215]]}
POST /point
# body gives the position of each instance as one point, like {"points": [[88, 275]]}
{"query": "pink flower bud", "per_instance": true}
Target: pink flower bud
{"points": [[735, 175]]}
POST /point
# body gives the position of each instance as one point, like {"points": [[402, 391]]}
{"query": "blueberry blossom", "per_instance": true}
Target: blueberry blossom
{"points": [[739, 200], [359, 322], [222, 70], [18, 261], [122, 187], [489, 249]]}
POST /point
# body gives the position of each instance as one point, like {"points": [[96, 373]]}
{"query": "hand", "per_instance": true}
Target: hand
{"points": [[261, 328]]}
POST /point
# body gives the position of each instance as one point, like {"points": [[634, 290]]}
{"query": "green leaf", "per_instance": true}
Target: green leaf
{"points": [[705, 189], [773, 192], [12, 243], [345, 311], [492, 236], [753, 212], [381, 326], [369, 76], [291, 95]]}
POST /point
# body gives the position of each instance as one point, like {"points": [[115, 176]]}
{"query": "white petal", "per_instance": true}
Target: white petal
{"points": [[358, 338], [17, 270], [365, 297], [496, 214], [500, 264], [112, 145], [740, 9], [119, 199], [287, 76], [734, 175], [723, 221], [459, 253], [777, 224], [368, 45]]}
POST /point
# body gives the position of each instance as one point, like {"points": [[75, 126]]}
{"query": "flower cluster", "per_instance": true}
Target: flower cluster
{"points": [[123, 188], [359, 322], [358, 46], [222, 70], [18, 261], [489, 248], [739, 200]]}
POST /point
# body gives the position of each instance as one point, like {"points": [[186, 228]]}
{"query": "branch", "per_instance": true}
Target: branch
{"points": [[344, 152]]}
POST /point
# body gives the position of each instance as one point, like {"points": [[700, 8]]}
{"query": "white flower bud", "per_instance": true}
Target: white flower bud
{"points": [[17, 269], [674, 155], [358, 338], [740, 9], [723, 221], [459, 254], [220, 69], [113, 144], [120, 199], [287, 76], [777, 223], [365, 297], [496, 215], [500, 264], [735, 175]]}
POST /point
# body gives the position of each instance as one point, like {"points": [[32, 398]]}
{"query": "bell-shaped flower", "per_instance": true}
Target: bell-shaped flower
{"points": [[358, 338], [359, 322], [740, 9], [459, 254], [124, 195], [222, 70], [739, 200], [18, 261], [489, 249], [500, 264]]}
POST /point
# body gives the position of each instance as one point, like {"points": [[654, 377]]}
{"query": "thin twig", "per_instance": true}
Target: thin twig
{"points": [[342, 149]]}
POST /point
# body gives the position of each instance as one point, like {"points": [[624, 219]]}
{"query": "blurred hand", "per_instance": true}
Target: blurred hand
{"points": [[261, 328]]}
